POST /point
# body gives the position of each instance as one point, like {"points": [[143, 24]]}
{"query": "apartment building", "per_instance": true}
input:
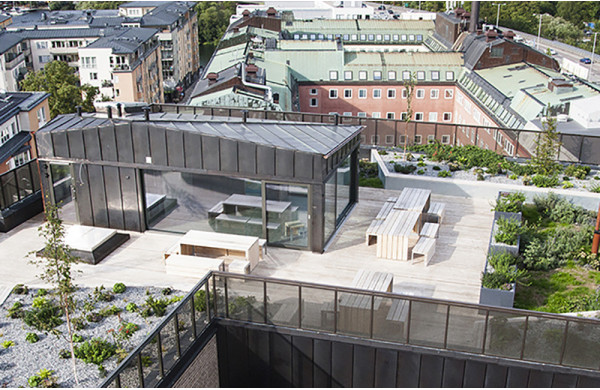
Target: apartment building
{"points": [[12, 61], [21, 115], [126, 67]]}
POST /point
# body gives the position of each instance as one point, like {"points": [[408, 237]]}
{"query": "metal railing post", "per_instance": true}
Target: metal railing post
{"points": [[517, 145], [176, 329], [335, 311], [17, 184], [265, 302], [300, 306], [140, 370]]}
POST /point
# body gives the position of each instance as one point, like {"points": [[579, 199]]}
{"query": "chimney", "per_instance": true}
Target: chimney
{"points": [[251, 69], [458, 12], [236, 29], [474, 16], [79, 110], [509, 35], [250, 55], [119, 109], [146, 113], [212, 78], [109, 112], [479, 31], [271, 12], [490, 35], [246, 14]]}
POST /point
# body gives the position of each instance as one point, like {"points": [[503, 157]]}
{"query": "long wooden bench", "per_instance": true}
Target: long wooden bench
{"points": [[371, 234], [430, 230], [435, 213], [239, 266], [192, 266], [426, 247]]}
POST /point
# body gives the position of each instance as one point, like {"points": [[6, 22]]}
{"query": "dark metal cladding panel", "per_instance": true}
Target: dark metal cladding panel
{"points": [[228, 155], [129, 193], [386, 364], [303, 165], [431, 371], [517, 377], [76, 147], [318, 167], [60, 143], [341, 364], [92, 144], [43, 140], [284, 163], [108, 143], [175, 154], [44, 179], [322, 363], [141, 144], [210, 153], [124, 143], [114, 203], [539, 378], [302, 365], [223, 358], [98, 195], [408, 369], [192, 144], [564, 380], [316, 220], [281, 360], [258, 358], [363, 366], [474, 374], [158, 147], [586, 381], [247, 157], [495, 375], [82, 192], [237, 350], [453, 372], [265, 160]]}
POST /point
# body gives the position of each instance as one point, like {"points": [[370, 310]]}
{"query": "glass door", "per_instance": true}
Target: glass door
{"points": [[287, 214]]}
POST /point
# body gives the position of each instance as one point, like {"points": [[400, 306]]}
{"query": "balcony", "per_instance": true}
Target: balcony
{"points": [[13, 59], [107, 84]]}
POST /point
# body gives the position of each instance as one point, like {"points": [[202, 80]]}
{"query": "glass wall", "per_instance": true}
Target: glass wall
{"points": [[61, 187], [287, 214], [343, 188], [337, 197], [330, 214]]}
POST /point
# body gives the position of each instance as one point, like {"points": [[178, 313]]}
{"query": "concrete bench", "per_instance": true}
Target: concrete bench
{"points": [[435, 213], [239, 266], [430, 230], [426, 247]]}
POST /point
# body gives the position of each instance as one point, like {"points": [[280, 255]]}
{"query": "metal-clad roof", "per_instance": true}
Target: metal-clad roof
{"points": [[127, 41], [13, 145], [8, 41]]}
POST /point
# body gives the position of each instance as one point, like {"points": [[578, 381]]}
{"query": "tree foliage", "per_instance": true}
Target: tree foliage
{"points": [[98, 4], [213, 19], [433, 6], [546, 149], [59, 79], [61, 5]]}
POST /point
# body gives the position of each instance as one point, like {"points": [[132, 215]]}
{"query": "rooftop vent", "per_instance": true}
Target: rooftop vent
{"points": [[251, 69], [246, 14], [509, 35], [559, 85], [490, 35], [212, 78], [458, 12], [271, 12]]}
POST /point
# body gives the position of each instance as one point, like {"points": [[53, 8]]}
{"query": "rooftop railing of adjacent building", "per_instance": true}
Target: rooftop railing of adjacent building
{"points": [[512, 334], [19, 183], [515, 143]]}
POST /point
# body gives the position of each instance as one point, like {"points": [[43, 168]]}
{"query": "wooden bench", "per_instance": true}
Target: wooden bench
{"points": [[398, 311], [413, 199], [435, 213], [239, 266], [426, 247], [192, 266], [371, 234], [398, 234], [430, 230]]}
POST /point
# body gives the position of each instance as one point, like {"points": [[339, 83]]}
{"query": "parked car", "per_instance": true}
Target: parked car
{"points": [[390, 11], [552, 51], [585, 60], [381, 7]]}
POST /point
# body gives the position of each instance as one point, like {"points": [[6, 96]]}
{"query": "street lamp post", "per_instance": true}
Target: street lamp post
{"points": [[498, 14], [537, 45], [593, 56]]}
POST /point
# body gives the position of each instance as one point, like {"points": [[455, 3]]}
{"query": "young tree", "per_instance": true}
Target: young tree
{"points": [[59, 79], [547, 146], [409, 86], [57, 262]]}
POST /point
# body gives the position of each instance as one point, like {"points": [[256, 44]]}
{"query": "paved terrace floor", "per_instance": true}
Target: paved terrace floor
{"points": [[454, 271]]}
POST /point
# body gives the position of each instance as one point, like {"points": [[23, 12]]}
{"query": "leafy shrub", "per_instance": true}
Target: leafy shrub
{"points": [[556, 247], [125, 331], [436, 168], [79, 323], [511, 202], [44, 316], [100, 294], [406, 169], [561, 210], [32, 338], [468, 156], [421, 163], [578, 171], [94, 317], [444, 174], [526, 180], [20, 289], [16, 311], [513, 177], [578, 299], [167, 291], [44, 379], [508, 230], [119, 288], [453, 167], [131, 307], [594, 188], [77, 338], [146, 361], [544, 181], [64, 354], [382, 152], [373, 182], [40, 302], [95, 350], [158, 306], [42, 292], [7, 344], [200, 300], [110, 311], [420, 172], [409, 156], [504, 273], [567, 184]]}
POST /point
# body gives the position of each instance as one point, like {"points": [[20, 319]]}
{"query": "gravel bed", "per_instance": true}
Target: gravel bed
{"points": [[392, 158], [19, 362]]}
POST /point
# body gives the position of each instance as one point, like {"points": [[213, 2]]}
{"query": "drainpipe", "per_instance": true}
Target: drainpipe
{"points": [[596, 241], [253, 85]]}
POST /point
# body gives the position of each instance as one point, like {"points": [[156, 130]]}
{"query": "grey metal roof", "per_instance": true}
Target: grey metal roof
{"points": [[14, 145], [42, 19], [127, 41], [225, 75], [166, 14], [298, 136], [142, 4], [68, 33], [8, 41], [13, 102]]}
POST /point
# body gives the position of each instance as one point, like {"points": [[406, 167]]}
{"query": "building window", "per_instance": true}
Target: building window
{"points": [[417, 139], [411, 37], [363, 37], [391, 93], [449, 76], [391, 75], [362, 114], [333, 75], [448, 93], [313, 37], [419, 38], [378, 37], [386, 37], [477, 116], [402, 139], [333, 94], [313, 91], [41, 45], [435, 75], [447, 116], [314, 102], [418, 116], [296, 37], [404, 93], [362, 93], [44, 59], [354, 37], [348, 75], [362, 75], [420, 93], [374, 139], [406, 75], [377, 75], [445, 139], [88, 62], [93, 76], [395, 37], [21, 159], [346, 37], [404, 116], [497, 52], [420, 75], [389, 139], [347, 93], [371, 37], [403, 37], [377, 93], [434, 93], [41, 116], [347, 114], [376, 115], [433, 117], [390, 115]]}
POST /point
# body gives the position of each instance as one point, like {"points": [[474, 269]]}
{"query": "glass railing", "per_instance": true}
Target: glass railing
{"points": [[514, 334], [19, 183], [515, 143]]}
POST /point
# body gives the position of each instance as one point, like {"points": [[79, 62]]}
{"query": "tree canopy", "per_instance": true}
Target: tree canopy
{"points": [[213, 19], [59, 80], [98, 4]]}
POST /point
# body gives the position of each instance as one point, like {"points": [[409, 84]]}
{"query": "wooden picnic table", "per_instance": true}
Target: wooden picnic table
{"points": [[399, 231], [413, 199]]}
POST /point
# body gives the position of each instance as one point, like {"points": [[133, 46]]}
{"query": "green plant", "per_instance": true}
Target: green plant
{"points": [[594, 188], [40, 302], [509, 229], [453, 167], [125, 331], [444, 174], [32, 338], [544, 181], [382, 152], [79, 323], [511, 202], [64, 354], [77, 338], [20, 289], [578, 171], [94, 317], [480, 177], [373, 182], [95, 350], [559, 209], [110, 311], [566, 178], [409, 156], [167, 291], [44, 378], [45, 317], [119, 288], [146, 361], [42, 292], [158, 306], [596, 177], [406, 169], [131, 307], [16, 311], [526, 180], [547, 146], [100, 294], [421, 163], [567, 184], [504, 272], [7, 344], [436, 168], [241, 307], [420, 172]]}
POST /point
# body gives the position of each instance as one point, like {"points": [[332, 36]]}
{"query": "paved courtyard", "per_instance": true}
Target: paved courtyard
{"points": [[453, 273]]}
